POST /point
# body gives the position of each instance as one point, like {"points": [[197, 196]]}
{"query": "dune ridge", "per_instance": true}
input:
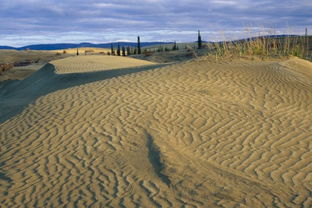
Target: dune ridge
{"points": [[80, 64], [197, 134], [16, 95]]}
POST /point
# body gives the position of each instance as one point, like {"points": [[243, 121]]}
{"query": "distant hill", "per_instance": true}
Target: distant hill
{"points": [[6, 47], [60, 46]]}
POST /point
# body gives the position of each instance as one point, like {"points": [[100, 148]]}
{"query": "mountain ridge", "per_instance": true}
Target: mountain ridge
{"points": [[60, 46]]}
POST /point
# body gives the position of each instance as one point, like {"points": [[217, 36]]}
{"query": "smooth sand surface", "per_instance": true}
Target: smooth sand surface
{"points": [[82, 51], [197, 134], [79, 64]]}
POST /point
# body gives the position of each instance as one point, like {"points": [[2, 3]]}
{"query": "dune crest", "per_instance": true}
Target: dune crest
{"points": [[197, 134], [80, 64]]}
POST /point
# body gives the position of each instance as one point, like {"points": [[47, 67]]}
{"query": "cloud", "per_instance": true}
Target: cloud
{"points": [[34, 21]]}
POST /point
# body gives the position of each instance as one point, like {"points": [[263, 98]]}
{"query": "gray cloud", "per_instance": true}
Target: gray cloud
{"points": [[33, 21]]}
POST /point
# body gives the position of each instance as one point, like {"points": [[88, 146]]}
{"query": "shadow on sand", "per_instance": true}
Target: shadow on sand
{"points": [[16, 95]]}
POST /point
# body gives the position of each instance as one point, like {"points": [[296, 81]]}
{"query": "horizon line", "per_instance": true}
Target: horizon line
{"points": [[159, 41]]}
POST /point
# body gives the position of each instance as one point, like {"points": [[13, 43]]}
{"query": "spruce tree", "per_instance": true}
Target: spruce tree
{"points": [[160, 49], [306, 47], [118, 50], [112, 50], [174, 46], [199, 40], [123, 51], [139, 45], [128, 51]]}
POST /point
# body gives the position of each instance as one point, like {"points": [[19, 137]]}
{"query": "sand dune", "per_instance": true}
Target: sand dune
{"points": [[82, 51], [16, 95], [79, 64], [197, 134]]}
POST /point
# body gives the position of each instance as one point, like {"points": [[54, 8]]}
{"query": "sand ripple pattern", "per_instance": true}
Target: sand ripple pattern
{"points": [[197, 134]]}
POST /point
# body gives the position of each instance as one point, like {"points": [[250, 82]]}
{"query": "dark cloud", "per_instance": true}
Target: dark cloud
{"points": [[33, 21]]}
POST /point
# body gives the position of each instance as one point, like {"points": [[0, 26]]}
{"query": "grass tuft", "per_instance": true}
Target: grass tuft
{"points": [[263, 47]]}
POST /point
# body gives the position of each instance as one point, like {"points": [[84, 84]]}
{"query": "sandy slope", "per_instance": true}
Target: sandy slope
{"points": [[79, 64], [16, 95], [82, 51], [198, 134]]}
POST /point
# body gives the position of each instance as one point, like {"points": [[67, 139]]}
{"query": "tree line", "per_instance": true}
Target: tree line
{"points": [[294, 45], [127, 51]]}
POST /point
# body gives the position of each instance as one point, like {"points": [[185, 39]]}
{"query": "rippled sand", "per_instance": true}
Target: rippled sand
{"points": [[195, 134]]}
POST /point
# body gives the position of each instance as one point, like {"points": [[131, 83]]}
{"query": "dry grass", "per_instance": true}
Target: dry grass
{"points": [[263, 47], [14, 56], [16, 64]]}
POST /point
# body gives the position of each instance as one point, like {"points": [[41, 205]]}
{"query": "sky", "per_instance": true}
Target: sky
{"points": [[25, 22]]}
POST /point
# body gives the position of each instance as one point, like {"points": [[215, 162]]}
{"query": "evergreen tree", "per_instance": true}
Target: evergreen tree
{"points": [[112, 50], [160, 49], [123, 51], [128, 51], [306, 47], [139, 45], [199, 41], [118, 50], [174, 46]]}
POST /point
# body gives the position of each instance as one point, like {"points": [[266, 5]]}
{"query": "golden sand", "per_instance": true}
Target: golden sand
{"points": [[79, 64], [197, 134], [82, 51]]}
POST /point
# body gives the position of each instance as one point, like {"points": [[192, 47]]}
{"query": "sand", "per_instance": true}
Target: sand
{"points": [[196, 134], [80, 64], [83, 51]]}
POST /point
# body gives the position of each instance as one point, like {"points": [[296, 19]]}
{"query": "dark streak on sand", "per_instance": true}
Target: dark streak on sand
{"points": [[154, 156]]}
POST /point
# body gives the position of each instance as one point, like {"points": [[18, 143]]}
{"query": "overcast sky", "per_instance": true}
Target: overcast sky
{"points": [[24, 22]]}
